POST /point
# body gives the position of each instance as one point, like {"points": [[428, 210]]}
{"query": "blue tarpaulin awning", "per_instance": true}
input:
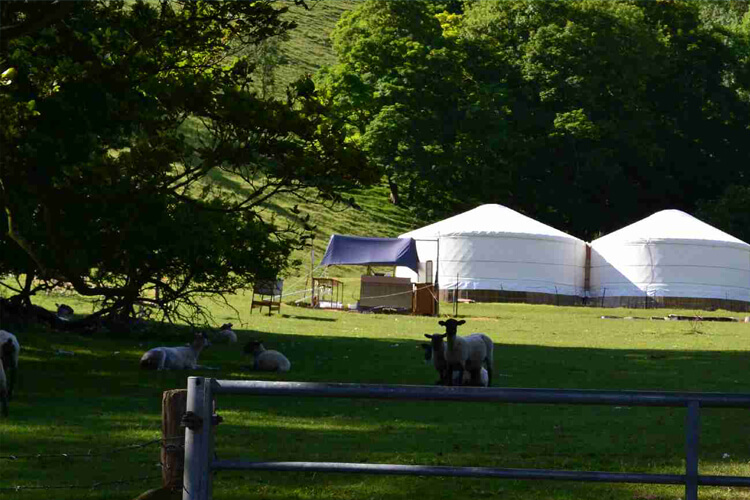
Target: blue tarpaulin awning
{"points": [[359, 250]]}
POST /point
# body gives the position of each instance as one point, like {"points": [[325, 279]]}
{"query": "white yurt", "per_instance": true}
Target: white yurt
{"points": [[670, 259], [493, 253]]}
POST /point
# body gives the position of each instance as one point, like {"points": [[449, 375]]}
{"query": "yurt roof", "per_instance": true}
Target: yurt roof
{"points": [[487, 221], [669, 225]]}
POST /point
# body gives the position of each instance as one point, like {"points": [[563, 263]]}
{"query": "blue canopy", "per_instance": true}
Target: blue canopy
{"points": [[358, 250]]}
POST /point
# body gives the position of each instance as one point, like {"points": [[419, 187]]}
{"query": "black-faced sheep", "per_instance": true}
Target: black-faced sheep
{"points": [[64, 312], [9, 350], [175, 358], [468, 353], [266, 360], [225, 335], [428, 356], [435, 350]]}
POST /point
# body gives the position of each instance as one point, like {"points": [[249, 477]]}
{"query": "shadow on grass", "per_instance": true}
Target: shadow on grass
{"points": [[97, 396], [312, 318]]}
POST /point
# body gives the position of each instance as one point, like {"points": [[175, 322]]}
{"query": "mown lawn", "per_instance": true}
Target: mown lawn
{"points": [[92, 403]]}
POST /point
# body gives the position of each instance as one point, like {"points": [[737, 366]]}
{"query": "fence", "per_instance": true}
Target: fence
{"points": [[199, 464]]}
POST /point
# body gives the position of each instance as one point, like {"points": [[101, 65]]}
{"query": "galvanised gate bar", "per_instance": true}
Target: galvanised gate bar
{"points": [[199, 453]]}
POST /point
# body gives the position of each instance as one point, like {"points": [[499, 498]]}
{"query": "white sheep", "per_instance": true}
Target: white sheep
{"points": [[225, 334], [64, 312], [175, 358], [9, 351], [468, 353], [441, 364], [3, 391], [435, 350], [484, 378], [266, 360]]}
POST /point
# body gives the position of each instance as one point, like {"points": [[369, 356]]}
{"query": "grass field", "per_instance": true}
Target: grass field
{"points": [[94, 402]]}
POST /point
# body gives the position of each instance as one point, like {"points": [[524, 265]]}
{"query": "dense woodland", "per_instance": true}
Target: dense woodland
{"points": [[586, 115]]}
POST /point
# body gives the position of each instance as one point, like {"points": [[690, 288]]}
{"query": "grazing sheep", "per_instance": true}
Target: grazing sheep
{"points": [[428, 355], [175, 358], [225, 335], [265, 360], [9, 350], [468, 353]]}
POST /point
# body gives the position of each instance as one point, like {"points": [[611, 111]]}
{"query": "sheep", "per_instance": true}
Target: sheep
{"points": [[175, 358], [437, 353], [468, 353], [429, 349], [3, 391], [266, 360], [9, 350], [64, 312], [225, 334]]}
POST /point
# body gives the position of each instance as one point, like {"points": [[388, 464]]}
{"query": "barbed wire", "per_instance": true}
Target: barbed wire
{"points": [[97, 484], [92, 486], [91, 453]]}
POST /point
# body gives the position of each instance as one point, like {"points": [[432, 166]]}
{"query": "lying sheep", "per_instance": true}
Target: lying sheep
{"points": [[9, 350], [3, 391], [468, 353], [175, 358], [64, 312], [428, 353], [265, 360], [225, 335]]}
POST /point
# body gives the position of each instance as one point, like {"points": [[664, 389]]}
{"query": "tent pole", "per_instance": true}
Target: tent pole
{"points": [[455, 299], [312, 264], [437, 279]]}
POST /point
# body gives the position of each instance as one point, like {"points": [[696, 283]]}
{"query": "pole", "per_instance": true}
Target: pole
{"points": [[455, 299], [173, 406], [198, 440], [437, 278], [692, 433]]}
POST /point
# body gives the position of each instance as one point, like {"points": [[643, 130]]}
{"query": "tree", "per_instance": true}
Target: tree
{"points": [[730, 212], [102, 186], [632, 107], [585, 115], [405, 87]]}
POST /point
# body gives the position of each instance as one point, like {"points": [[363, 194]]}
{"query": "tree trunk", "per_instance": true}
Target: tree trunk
{"points": [[394, 191]]}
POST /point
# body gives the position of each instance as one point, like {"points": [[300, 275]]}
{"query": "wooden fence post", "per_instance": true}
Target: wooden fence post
{"points": [[173, 407]]}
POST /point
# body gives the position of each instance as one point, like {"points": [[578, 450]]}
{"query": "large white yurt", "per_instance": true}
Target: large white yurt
{"points": [[670, 259], [493, 253]]}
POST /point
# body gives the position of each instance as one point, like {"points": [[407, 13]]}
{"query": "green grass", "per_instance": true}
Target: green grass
{"points": [[376, 217], [97, 400], [309, 46]]}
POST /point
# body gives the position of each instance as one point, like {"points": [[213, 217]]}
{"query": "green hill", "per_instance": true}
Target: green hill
{"points": [[307, 49], [309, 46]]}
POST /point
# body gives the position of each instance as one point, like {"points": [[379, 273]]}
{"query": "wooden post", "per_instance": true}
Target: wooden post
{"points": [[173, 407]]}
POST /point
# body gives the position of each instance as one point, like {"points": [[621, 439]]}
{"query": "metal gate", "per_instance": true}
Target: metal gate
{"points": [[199, 462]]}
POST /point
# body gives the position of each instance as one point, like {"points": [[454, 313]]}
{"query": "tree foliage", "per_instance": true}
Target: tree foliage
{"points": [[407, 93], [585, 114], [103, 185]]}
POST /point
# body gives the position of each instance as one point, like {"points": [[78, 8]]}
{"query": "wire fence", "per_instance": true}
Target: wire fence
{"points": [[166, 443]]}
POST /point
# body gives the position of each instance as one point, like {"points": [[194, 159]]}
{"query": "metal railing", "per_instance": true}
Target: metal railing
{"points": [[199, 463]]}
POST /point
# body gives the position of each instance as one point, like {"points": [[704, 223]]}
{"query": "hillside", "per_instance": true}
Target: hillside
{"points": [[309, 45], [307, 49], [377, 217]]}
